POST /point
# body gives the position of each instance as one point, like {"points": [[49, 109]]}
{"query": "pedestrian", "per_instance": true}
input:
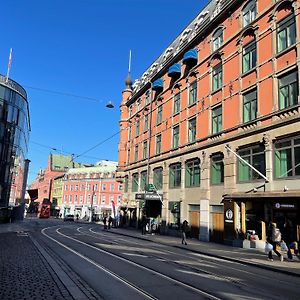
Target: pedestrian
{"points": [[109, 222], [288, 237], [104, 222], [184, 229], [144, 223], [274, 238], [77, 216]]}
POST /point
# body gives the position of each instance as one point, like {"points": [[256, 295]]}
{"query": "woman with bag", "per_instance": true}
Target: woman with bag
{"points": [[274, 238]]}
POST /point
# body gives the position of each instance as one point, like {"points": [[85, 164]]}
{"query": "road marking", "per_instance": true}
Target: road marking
{"points": [[129, 262], [114, 275]]}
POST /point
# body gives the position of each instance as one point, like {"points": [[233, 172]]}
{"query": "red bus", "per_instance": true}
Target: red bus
{"points": [[44, 209]]}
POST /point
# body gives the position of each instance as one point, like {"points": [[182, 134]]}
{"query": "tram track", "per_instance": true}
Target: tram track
{"points": [[141, 291]]}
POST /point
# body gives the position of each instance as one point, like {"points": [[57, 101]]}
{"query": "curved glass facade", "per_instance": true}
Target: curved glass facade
{"points": [[14, 135]]}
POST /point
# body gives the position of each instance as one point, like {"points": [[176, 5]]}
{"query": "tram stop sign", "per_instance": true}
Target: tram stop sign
{"points": [[151, 187]]}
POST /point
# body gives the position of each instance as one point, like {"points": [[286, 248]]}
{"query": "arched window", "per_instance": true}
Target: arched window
{"points": [[217, 39], [249, 12]]}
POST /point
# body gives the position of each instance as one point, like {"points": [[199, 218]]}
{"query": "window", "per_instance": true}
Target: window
{"points": [[145, 149], [249, 56], [103, 187], [192, 173], [126, 184], [81, 198], [119, 199], [89, 198], [158, 144], [147, 97], [137, 127], [288, 90], [120, 187], [193, 93], [217, 39], [111, 199], [146, 123], [76, 187], [70, 199], [249, 13], [71, 187], [136, 153], [143, 180], [103, 199], [76, 199], [112, 187], [135, 182], [217, 169], [287, 157], [159, 115], [250, 106], [176, 137], [175, 176], [255, 156], [138, 105], [158, 178], [217, 77], [130, 110], [192, 130], [217, 119], [176, 108], [286, 33]]}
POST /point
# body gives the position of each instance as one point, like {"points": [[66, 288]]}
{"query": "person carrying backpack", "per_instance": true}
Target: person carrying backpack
{"points": [[274, 238]]}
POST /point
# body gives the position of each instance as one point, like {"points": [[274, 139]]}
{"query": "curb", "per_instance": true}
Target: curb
{"points": [[244, 262]]}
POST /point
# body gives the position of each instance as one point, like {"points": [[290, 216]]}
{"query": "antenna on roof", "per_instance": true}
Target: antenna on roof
{"points": [[129, 63]]}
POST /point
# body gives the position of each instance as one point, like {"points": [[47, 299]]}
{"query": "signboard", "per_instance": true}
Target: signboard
{"points": [[174, 206], [140, 196], [229, 216], [284, 205], [153, 196], [150, 187]]}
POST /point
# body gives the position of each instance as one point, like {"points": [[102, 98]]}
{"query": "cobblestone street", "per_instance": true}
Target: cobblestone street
{"points": [[23, 273]]}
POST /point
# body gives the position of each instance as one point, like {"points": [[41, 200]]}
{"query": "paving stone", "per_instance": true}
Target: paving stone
{"points": [[23, 272]]}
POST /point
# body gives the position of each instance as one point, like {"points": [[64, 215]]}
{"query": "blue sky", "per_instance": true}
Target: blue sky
{"points": [[81, 47]]}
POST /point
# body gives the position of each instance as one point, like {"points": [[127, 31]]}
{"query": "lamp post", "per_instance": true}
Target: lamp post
{"points": [[92, 202]]}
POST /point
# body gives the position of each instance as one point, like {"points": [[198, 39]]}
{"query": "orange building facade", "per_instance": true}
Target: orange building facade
{"points": [[214, 125]]}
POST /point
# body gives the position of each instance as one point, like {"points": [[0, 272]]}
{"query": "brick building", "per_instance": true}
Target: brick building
{"points": [[213, 123], [93, 189]]}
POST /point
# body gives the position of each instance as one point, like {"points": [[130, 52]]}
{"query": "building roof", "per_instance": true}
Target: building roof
{"points": [[103, 168]]}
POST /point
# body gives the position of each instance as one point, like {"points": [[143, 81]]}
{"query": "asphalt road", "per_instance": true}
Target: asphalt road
{"points": [[105, 265]]}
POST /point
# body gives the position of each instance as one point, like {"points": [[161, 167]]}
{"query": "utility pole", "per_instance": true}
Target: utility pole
{"points": [[92, 202]]}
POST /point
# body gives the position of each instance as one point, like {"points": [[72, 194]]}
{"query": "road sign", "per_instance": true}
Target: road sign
{"points": [[151, 187]]}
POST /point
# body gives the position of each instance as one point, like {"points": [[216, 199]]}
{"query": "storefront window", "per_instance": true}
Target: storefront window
{"points": [[158, 178], [217, 169], [192, 173], [175, 176]]}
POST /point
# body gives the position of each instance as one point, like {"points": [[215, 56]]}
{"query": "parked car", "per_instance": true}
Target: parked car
{"points": [[69, 218]]}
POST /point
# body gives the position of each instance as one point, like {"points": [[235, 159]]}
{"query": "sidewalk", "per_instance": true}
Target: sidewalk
{"points": [[254, 257]]}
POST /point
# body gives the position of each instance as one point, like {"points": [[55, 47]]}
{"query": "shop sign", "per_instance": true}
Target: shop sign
{"points": [[153, 196], [140, 196], [284, 205], [229, 216], [174, 206]]}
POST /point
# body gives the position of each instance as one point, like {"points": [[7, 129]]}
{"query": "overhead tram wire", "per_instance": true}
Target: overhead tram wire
{"points": [[63, 93]]}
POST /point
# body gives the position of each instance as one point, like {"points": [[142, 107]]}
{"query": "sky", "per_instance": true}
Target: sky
{"points": [[72, 57]]}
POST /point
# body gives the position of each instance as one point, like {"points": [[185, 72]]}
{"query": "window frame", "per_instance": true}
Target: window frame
{"points": [[217, 119], [284, 26], [176, 103], [287, 144], [158, 143], [254, 158], [192, 173], [158, 178], [217, 77], [292, 86], [249, 8], [193, 91], [217, 39], [135, 182], [175, 172], [176, 137], [252, 113], [192, 130], [250, 52], [159, 115], [217, 164]]}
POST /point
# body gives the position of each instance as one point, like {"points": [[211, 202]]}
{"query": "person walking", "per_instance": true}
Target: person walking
{"points": [[144, 224], [274, 238], [104, 222], [185, 229], [110, 220], [288, 237]]}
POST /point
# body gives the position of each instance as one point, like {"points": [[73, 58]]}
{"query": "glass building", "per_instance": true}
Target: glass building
{"points": [[14, 135]]}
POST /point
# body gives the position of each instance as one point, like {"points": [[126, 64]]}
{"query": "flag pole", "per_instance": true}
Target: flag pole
{"points": [[9, 64], [129, 63]]}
